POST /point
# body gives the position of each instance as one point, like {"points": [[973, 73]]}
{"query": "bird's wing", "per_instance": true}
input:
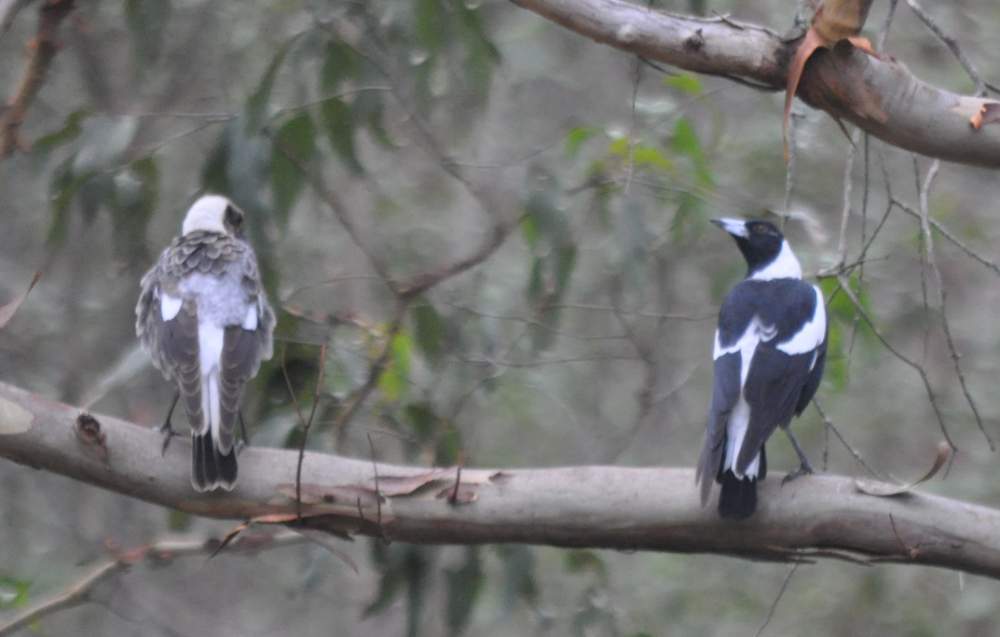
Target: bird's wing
{"points": [[240, 359], [180, 354], [147, 315], [725, 394], [773, 387]]}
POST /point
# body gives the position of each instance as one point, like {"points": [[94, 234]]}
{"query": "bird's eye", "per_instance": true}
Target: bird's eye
{"points": [[760, 230]]}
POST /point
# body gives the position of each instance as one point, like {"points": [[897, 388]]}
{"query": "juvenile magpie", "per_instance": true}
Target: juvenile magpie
{"points": [[769, 354], [204, 318]]}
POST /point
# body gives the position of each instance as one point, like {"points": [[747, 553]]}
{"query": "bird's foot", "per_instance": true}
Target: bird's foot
{"points": [[168, 432], [804, 469]]}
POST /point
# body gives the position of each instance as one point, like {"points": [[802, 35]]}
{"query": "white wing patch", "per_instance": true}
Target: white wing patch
{"points": [[250, 320], [169, 306], [784, 266], [812, 333]]}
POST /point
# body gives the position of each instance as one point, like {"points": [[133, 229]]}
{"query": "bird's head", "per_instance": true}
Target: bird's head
{"points": [[213, 213], [765, 249]]}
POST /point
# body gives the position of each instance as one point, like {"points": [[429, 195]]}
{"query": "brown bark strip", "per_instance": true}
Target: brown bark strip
{"points": [[654, 509], [41, 51]]}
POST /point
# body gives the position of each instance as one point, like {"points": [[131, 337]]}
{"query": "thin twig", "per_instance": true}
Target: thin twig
{"points": [[952, 44], [155, 553], [831, 427], [8, 11], [781, 592], [845, 288], [353, 402], [883, 30], [942, 295], [845, 209], [42, 51], [306, 424]]}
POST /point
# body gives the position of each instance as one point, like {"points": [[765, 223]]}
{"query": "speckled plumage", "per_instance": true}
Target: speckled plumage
{"points": [[204, 318]]}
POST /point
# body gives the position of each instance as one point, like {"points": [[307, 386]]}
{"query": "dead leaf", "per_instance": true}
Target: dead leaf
{"points": [[7, 311], [229, 538], [885, 490]]}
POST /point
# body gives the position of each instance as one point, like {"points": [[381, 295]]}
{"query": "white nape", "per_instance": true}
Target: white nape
{"points": [[784, 266], [208, 213]]}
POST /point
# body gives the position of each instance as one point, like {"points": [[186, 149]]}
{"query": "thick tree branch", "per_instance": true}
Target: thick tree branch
{"points": [[601, 507], [879, 95]]}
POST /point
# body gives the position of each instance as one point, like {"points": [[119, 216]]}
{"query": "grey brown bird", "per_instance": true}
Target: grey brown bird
{"points": [[204, 318]]}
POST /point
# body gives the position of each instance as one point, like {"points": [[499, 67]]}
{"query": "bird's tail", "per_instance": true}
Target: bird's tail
{"points": [[210, 468], [738, 499]]}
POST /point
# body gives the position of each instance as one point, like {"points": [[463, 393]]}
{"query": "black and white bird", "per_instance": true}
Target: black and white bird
{"points": [[770, 349], [204, 318]]}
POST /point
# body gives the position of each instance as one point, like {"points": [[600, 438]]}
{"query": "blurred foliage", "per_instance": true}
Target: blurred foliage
{"points": [[419, 130]]}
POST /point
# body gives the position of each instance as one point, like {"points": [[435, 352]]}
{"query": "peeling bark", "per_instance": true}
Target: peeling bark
{"points": [[880, 96]]}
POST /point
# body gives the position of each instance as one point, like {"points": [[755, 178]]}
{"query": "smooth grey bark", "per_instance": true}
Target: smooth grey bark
{"points": [[877, 94], [598, 507]]}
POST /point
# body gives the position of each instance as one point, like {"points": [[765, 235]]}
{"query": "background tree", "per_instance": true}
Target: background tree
{"points": [[497, 228]]}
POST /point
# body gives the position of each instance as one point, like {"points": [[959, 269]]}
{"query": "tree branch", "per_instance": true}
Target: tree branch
{"points": [[602, 507], [877, 94], [42, 50]]}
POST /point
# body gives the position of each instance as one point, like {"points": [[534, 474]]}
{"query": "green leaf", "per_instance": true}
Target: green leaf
{"points": [[14, 592], [530, 232], [422, 419], [464, 585], [258, 103], [297, 137], [685, 142], [449, 444], [429, 329], [687, 84], [578, 136], [147, 20], [70, 131], [582, 560], [643, 155], [340, 62], [429, 25], [338, 120], [394, 380]]}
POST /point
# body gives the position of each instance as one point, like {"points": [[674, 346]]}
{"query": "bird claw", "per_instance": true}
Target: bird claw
{"points": [[804, 469]]}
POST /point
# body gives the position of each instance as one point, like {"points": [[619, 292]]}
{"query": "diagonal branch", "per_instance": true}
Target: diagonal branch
{"points": [[41, 51], [879, 95]]}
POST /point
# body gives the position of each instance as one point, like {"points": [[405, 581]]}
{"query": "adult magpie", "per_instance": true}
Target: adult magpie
{"points": [[204, 318], [769, 354]]}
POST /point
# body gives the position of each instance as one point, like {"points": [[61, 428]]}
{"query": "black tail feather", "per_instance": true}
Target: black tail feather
{"points": [[211, 469], [738, 499]]}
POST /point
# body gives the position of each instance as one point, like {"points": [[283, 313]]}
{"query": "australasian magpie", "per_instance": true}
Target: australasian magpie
{"points": [[204, 318], [769, 354]]}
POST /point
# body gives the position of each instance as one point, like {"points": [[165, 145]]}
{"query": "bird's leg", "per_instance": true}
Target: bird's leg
{"points": [[805, 467], [166, 428], [244, 439]]}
